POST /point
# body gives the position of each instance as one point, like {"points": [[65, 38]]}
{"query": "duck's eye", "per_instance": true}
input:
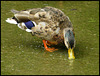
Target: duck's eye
{"points": [[67, 42]]}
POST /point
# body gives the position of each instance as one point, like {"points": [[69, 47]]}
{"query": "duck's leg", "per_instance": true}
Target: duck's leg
{"points": [[46, 47], [51, 43]]}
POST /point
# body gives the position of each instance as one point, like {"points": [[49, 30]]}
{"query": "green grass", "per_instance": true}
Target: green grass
{"points": [[23, 54]]}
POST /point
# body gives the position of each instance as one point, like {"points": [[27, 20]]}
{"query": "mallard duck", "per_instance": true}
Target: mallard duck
{"points": [[48, 23]]}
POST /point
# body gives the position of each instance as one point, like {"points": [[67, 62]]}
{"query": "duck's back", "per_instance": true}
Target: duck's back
{"points": [[47, 14], [52, 15]]}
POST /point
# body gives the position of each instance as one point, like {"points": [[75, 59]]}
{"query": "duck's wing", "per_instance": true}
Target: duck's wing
{"points": [[26, 17], [52, 16]]}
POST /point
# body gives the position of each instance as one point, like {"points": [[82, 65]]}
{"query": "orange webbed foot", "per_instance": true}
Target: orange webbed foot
{"points": [[48, 43], [51, 49]]}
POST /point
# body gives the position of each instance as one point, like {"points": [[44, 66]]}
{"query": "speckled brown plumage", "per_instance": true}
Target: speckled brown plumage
{"points": [[54, 18]]}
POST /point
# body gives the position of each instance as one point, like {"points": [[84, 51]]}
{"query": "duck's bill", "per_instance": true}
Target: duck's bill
{"points": [[71, 53]]}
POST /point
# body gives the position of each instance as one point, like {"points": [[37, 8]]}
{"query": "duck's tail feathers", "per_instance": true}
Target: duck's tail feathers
{"points": [[11, 20], [14, 11]]}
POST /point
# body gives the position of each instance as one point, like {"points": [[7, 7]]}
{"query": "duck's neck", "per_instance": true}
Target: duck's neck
{"points": [[58, 38]]}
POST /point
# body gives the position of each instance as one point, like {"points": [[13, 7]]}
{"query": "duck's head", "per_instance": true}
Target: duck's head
{"points": [[69, 41]]}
